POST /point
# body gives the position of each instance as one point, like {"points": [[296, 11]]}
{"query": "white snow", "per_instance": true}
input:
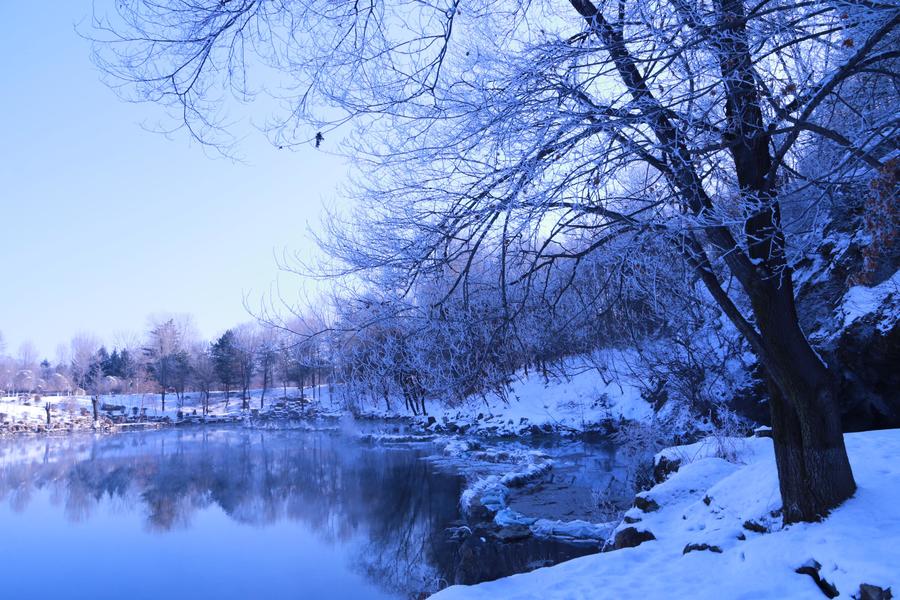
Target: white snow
{"points": [[861, 300], [33, 411], [569, 405], [856, 544], [571, 530]]}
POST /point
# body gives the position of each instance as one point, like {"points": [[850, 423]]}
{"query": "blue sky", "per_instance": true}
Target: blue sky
{"points": [[103, 223]]}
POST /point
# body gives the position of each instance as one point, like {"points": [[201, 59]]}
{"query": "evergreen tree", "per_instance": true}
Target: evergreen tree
{"points": [[226, 360], [112, 363], [96, 371], [181, 372]]}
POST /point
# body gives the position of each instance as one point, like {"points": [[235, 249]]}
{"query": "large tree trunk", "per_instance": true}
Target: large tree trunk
{"points": [[813, 468]]}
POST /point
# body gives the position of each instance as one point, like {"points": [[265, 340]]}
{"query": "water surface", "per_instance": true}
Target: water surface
{"points": [[230, 513], [236, 513]]}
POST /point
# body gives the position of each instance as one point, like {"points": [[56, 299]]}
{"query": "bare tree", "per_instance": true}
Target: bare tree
{"points": [[165, 354], [81, 356], [203, 370], [720, 127], [28, 356], [246, 344], [7, 375], [266, 358]]}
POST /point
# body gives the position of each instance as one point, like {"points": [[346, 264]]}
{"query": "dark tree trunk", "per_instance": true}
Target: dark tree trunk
{"points": [[813, 468], [164, 399], [262, 396], [410, 403], [814, 471]]}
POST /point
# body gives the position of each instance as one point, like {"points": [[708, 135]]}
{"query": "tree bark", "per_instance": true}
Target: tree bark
{"points": [[262, 397], [814, 471], [813, 467]]}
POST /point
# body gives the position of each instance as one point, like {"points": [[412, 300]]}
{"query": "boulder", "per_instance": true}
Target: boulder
{"points": [[873, 592], [701, 547], [664, 467], [751, 525], [631, 537], [513, 533], [645, 504]]}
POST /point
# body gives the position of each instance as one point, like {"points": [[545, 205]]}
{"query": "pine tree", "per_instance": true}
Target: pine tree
{"points": [[225, 358]]}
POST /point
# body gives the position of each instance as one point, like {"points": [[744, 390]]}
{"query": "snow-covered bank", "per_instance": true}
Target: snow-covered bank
{"points": [[535, 405], [28, 414], [67, 415], [582, 401], [548, 491], [486, 499], [717, 534]]}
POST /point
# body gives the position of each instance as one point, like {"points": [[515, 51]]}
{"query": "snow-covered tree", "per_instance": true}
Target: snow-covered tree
{"points": [[165, 354], [538, 132], [81, 358]]}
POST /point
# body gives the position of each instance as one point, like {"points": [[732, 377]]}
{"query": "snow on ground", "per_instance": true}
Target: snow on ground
{"points": [[861, 300], [571, 404], [17, 410], [724, 508], [21, 412]]}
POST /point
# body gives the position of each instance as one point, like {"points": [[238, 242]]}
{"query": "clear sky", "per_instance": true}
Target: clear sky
{"points": [[103, 223]]}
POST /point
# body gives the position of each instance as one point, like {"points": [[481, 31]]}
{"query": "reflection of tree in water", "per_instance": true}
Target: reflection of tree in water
{"points": [[391, 499], [404, 544]]}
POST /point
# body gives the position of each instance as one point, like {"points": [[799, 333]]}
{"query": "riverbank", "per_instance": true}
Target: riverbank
{"points": [[706, 529], [577, 404], [580, 404], [528, 488], [36, 414], [712, 529]]}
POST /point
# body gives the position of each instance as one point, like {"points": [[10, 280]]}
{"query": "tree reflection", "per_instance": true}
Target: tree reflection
{"points": [[396, 503]]}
